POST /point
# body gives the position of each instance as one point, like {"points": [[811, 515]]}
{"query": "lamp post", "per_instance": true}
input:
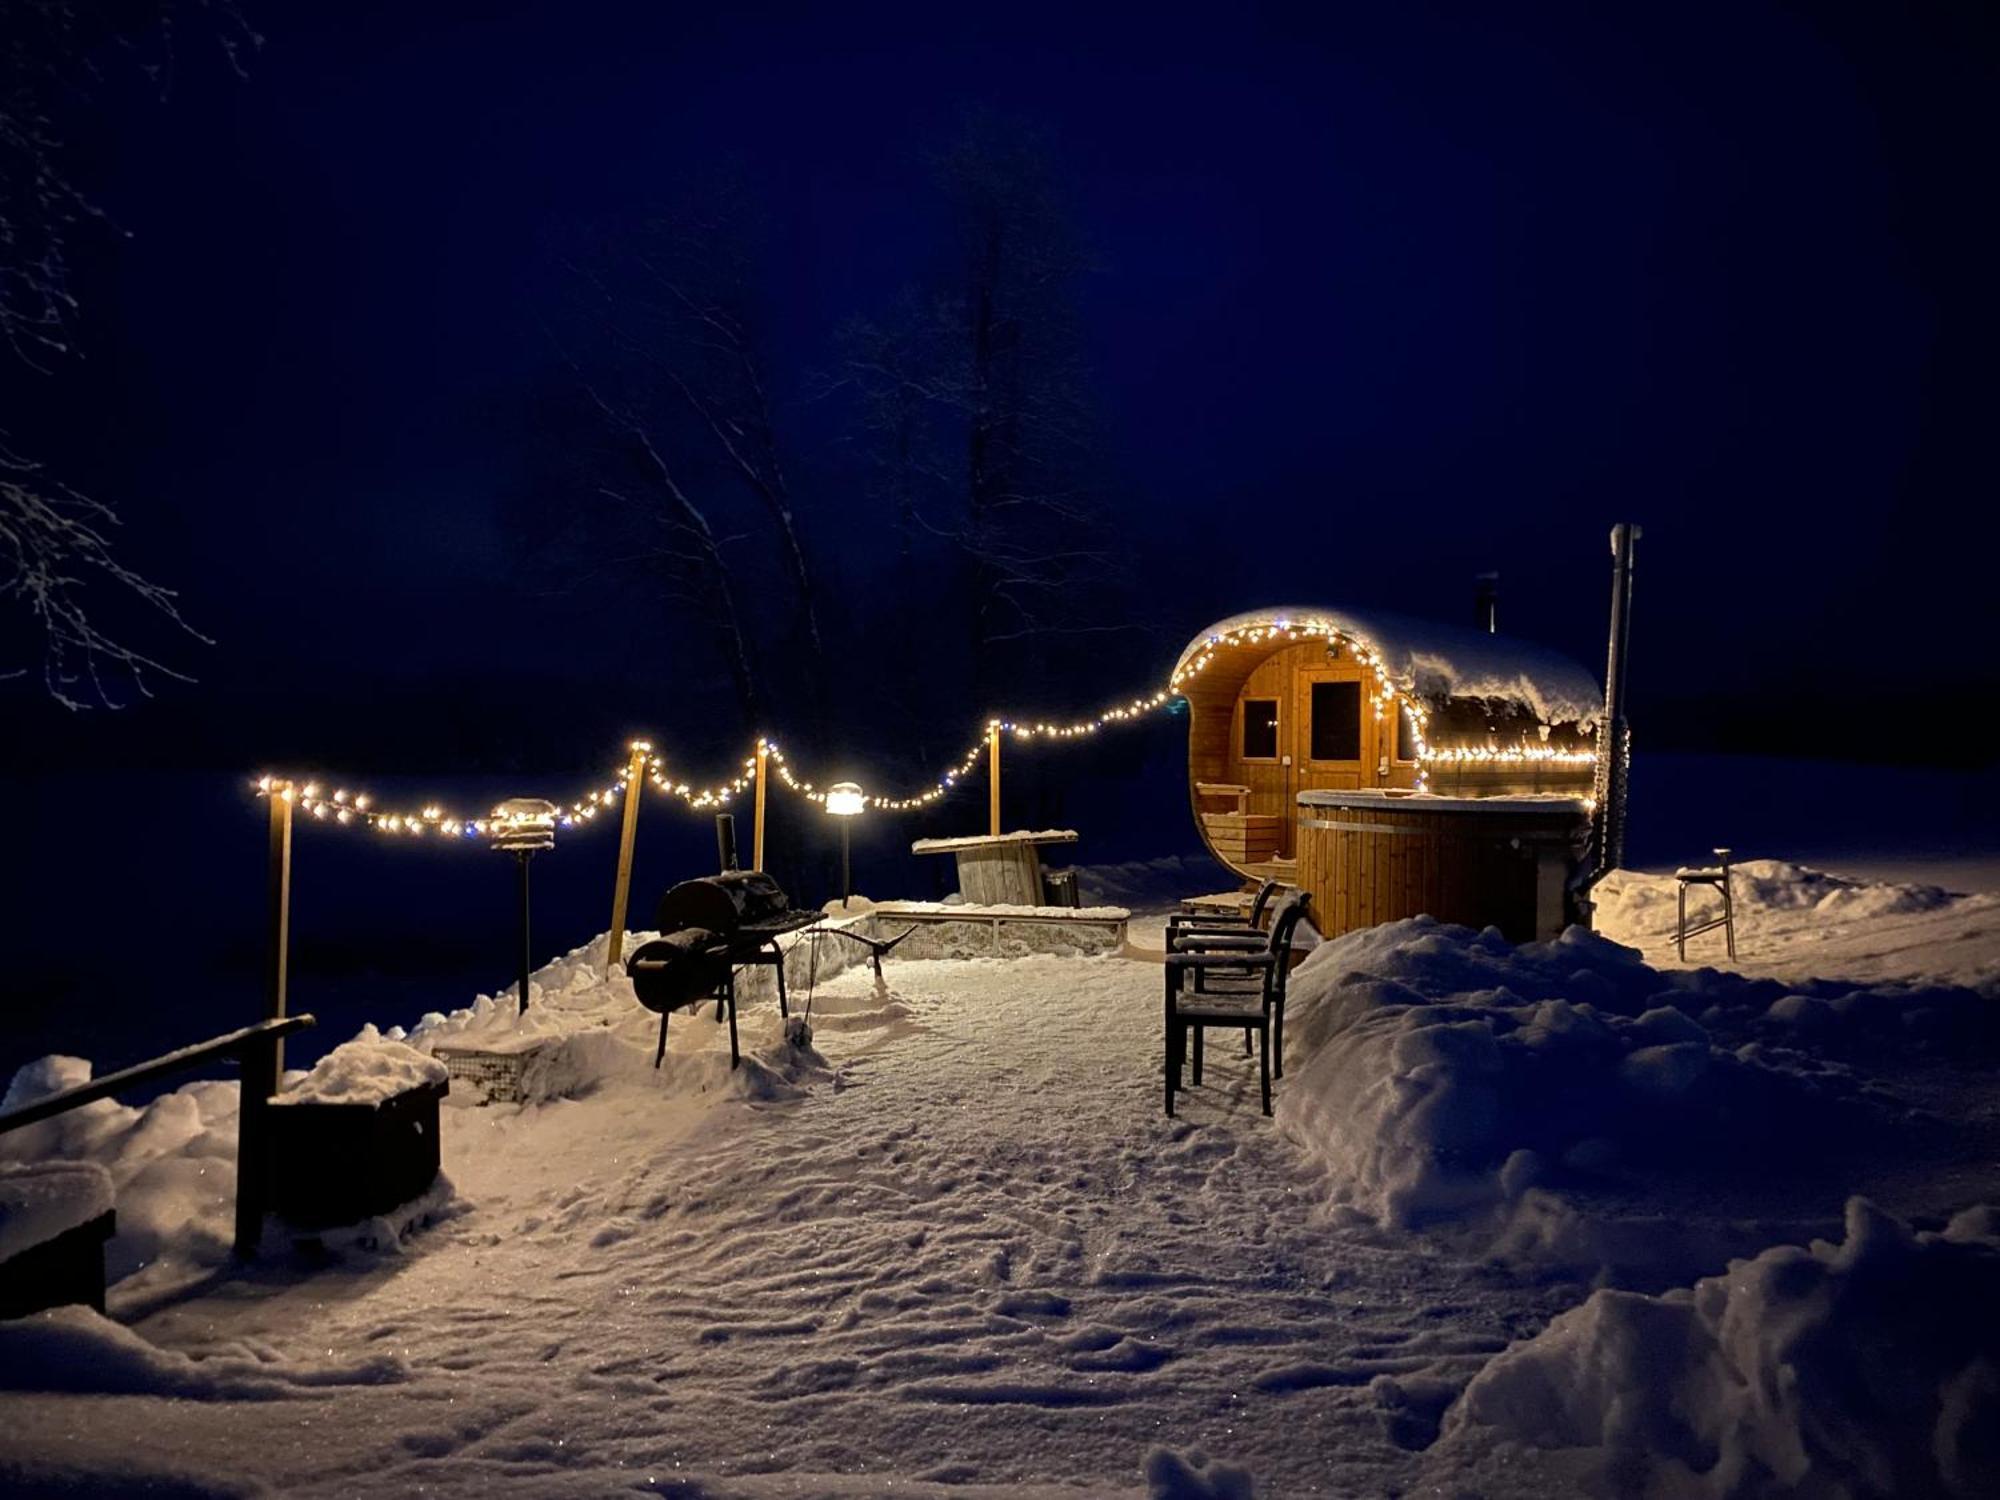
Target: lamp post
{"points": [[845, 801], [522, 826]]}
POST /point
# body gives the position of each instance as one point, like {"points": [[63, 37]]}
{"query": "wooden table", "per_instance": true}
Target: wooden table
{"points": [[999, 869]]}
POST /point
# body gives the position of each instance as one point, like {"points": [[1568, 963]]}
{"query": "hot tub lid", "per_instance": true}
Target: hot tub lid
{"points": [[1400, 801]]}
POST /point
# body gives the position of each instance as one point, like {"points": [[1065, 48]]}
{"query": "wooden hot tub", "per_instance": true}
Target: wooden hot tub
{"points": [[1370, 856]]}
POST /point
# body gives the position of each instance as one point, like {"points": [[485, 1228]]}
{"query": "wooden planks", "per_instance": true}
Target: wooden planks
{"points": [[1244, 838], [1367, 864]]}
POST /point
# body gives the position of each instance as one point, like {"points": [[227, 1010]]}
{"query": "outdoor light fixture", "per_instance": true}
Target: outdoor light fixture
{"points": [[522, 826], [844, 800]]}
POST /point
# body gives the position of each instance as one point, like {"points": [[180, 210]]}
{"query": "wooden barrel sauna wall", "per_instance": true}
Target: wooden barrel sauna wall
{"points": [[1369, 857]]}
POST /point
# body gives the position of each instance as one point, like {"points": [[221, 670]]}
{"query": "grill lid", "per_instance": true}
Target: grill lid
{"points": [[721, 903]]}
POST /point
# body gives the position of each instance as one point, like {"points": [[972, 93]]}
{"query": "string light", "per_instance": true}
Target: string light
{"points": [[1385, 694]]}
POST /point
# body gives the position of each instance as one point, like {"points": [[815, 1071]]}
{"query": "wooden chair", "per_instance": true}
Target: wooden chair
{"points": [[1718, 877], [1192, 932], [1253, 919], [1250, 997]]}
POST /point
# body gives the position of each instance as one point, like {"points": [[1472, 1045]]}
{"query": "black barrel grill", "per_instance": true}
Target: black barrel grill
{"points": [[709, 928]]}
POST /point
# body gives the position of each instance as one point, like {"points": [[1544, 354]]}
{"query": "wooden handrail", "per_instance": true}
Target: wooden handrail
{"points": [[145, 1072]]}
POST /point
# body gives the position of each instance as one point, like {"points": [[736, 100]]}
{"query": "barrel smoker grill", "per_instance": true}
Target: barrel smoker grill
{"points": [[709, 928]]}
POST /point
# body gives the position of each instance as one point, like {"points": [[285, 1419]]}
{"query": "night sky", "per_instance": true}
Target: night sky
{"points": [[1386, 296]]}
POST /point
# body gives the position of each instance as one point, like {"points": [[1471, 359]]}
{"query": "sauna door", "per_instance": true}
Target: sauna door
{"points": [[1331, 729]]}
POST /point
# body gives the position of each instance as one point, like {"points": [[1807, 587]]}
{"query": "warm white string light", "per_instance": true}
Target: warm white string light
{"points": [[350, 808]]}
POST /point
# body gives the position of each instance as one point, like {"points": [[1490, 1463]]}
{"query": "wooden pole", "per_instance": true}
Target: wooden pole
{"points": [[279, 901], [757, 836], [628, 835], [993, 779]]}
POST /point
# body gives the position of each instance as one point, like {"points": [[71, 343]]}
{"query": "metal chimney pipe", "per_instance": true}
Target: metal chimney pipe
{"points": [[1614, 734], [1486, 602], [725, 841]]}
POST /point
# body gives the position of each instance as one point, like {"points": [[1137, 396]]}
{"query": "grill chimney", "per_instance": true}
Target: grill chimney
{"points": [[1486, 602]]}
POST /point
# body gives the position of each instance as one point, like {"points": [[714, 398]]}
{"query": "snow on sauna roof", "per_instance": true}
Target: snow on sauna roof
{"points": [[1434, 662]]}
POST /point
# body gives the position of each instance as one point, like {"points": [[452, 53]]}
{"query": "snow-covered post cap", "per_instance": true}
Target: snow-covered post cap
{"points": [[523, 825]]}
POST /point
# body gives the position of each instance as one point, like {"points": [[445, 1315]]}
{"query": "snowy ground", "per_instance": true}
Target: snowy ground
{"points": [[958, 1245], [1792, 921]]}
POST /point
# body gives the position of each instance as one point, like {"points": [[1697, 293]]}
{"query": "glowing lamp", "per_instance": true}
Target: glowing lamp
{"points": [[520, 826], [845, 801]]}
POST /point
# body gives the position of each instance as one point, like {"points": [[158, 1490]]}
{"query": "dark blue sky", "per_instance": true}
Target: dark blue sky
{"points": [[1388, 295]]}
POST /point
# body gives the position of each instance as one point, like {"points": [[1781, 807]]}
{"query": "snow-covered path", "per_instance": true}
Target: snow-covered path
{"points": [[977, 1253]]}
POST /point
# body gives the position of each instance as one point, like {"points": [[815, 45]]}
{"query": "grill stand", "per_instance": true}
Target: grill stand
{"points": [[768, 952]]}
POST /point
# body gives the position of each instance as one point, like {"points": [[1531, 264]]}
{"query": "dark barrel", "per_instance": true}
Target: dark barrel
{"points": [[673, 972], [721, 904]]}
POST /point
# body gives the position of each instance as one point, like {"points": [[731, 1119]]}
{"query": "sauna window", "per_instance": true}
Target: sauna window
{"points": [[1336, 721], [1406, 736], [1260, 728]]}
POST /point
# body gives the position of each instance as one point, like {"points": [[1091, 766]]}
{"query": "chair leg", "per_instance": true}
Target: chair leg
{"points": [[1172, 1070], [1264, 1064], [662, 1052], [1681, 926], [784, 1008], [1197, 1056], [1277, 1042], [1246, 1041], [1729, 918]]}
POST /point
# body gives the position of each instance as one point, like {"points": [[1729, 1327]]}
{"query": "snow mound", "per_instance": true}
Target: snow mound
{"points": [[367, 1070], [1871, 1367], [1439, 1073], [46, 1199], [172, 1163], [76, 1349], [1435, 1069], [1767, 892]]}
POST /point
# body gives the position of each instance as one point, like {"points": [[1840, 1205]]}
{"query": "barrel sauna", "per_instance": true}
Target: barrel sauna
{"points": [[1372, 856], [1296, 701]]}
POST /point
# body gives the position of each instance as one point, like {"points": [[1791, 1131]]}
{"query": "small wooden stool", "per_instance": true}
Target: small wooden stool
{"points": [[1718, 877]]}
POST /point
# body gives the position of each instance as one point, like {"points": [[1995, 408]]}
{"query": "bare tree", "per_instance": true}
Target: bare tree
{"points": [[973, 407], [663, 335], [685, 548], [55, 542]]}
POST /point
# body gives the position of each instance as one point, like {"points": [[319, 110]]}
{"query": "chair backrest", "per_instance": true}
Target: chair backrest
{"points": [[1283, 926], [1264, 894]]}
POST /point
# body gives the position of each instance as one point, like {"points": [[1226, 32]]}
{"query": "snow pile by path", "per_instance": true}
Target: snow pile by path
{"points": [[171, 1163], [1867, 1368], [1441, 1073], [1795, 919], [585, 1029], [76, 1349], [367, 1070], [46, 1199], [1436, 1070]]}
